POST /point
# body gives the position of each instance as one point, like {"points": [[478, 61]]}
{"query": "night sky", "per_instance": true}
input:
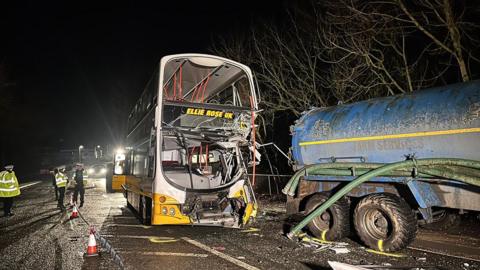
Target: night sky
{"points": [[77, 67]]}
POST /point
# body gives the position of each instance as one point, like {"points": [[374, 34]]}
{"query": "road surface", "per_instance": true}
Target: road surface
{"points": [[40, 236]]}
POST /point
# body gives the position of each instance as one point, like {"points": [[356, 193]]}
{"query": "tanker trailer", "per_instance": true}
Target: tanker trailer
{"points": [[333, 146]]}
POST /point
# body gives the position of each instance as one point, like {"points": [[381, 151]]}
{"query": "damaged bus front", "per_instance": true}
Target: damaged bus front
{"points": [[189, 152]]}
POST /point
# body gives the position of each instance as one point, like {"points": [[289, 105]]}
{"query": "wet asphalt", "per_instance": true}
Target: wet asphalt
{"points": [[40, 236]]}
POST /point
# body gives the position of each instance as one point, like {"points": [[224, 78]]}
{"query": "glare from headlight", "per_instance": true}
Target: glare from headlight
{"points": [[91, 170], [103, 170]]}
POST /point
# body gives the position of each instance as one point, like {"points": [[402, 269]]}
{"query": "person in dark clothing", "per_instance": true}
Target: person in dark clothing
{"points": [[79, 185], [53, 172]]}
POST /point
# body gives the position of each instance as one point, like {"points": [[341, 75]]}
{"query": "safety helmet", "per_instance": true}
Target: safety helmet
{"points": [[9, 167]]}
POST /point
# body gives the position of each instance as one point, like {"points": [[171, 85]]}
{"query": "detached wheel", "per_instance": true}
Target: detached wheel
{"points": [[385, 222], [443, 219], [334, 222]]}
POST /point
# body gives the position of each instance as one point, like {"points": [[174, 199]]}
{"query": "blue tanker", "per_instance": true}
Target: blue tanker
{"points": [[345, 141], [438, 122]]}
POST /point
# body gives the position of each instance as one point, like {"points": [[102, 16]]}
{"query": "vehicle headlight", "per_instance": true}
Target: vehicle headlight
{"points": [[164, 210], [172, 211], [91, 170], [103, 170]]}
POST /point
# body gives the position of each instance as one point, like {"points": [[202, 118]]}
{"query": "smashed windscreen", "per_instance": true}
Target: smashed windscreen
{"points": [[206, 114]]}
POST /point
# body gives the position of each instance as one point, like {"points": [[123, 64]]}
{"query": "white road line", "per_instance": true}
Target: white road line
{"points": [[221, 255], [161, 253], [30, 184], [129, 225], [443, 254], [130, 236]]}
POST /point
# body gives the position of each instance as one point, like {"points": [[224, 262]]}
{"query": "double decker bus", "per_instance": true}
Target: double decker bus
{"points": [[189, 144]]}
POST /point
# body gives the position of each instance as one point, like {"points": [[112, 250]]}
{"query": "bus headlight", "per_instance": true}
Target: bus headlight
{"points": [[164, 210], [172, 211], [91, 171], [103, 170]]}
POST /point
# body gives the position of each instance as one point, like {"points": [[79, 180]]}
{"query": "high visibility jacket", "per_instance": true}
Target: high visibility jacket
{"points": [[8, 184], [61, 179]]}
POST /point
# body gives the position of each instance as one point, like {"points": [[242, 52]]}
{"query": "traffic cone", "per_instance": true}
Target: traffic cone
{"points": [[92, 244], [74, 212]]}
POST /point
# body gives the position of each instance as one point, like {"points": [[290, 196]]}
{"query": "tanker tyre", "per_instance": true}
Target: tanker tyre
{"points": [[333, 224], [385, 222]]}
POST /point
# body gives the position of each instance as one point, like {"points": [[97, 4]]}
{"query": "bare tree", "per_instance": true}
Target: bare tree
{"points": [[348, 50]]}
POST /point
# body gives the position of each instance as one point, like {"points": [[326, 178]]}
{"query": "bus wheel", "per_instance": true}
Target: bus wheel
{"points": [[385, 222], [145, 210], [333, 224], [109, 179]]}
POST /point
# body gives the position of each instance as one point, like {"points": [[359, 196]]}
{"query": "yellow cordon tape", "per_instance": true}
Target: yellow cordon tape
{"points": [[386, 253], [161, 240], [380, 251], [250, 230]]}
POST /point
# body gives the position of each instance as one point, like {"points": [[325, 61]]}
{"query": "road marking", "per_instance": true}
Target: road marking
{"points": [[161, 253], [219, 254], [129, 225], [443, 254], [250, 230], [161, 240], [30, 184]]}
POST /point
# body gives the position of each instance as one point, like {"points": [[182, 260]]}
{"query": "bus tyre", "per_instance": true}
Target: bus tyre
{"points": [[443, 220], [145, 210], [385, 222], [109, 179], [333, 224]]}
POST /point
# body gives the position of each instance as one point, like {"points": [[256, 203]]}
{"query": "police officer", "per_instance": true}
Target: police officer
{"points": [[53, 173], [8, 189], [61, 183], [79, 184]]}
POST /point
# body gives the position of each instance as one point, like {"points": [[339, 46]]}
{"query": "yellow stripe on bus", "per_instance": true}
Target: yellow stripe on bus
{"points": [[394, 136]]}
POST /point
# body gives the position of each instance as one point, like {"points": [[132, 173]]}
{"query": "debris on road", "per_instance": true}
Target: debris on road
{"points": [[337, 247], [344, 266]]}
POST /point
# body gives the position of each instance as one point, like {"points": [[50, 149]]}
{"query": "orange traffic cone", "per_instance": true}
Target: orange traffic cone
{"points": [[74, 212], [92, 244]]}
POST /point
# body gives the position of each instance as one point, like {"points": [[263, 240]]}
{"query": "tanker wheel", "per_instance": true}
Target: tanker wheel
{"points": [[385, 222], [443, 220], [333, 224]]}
